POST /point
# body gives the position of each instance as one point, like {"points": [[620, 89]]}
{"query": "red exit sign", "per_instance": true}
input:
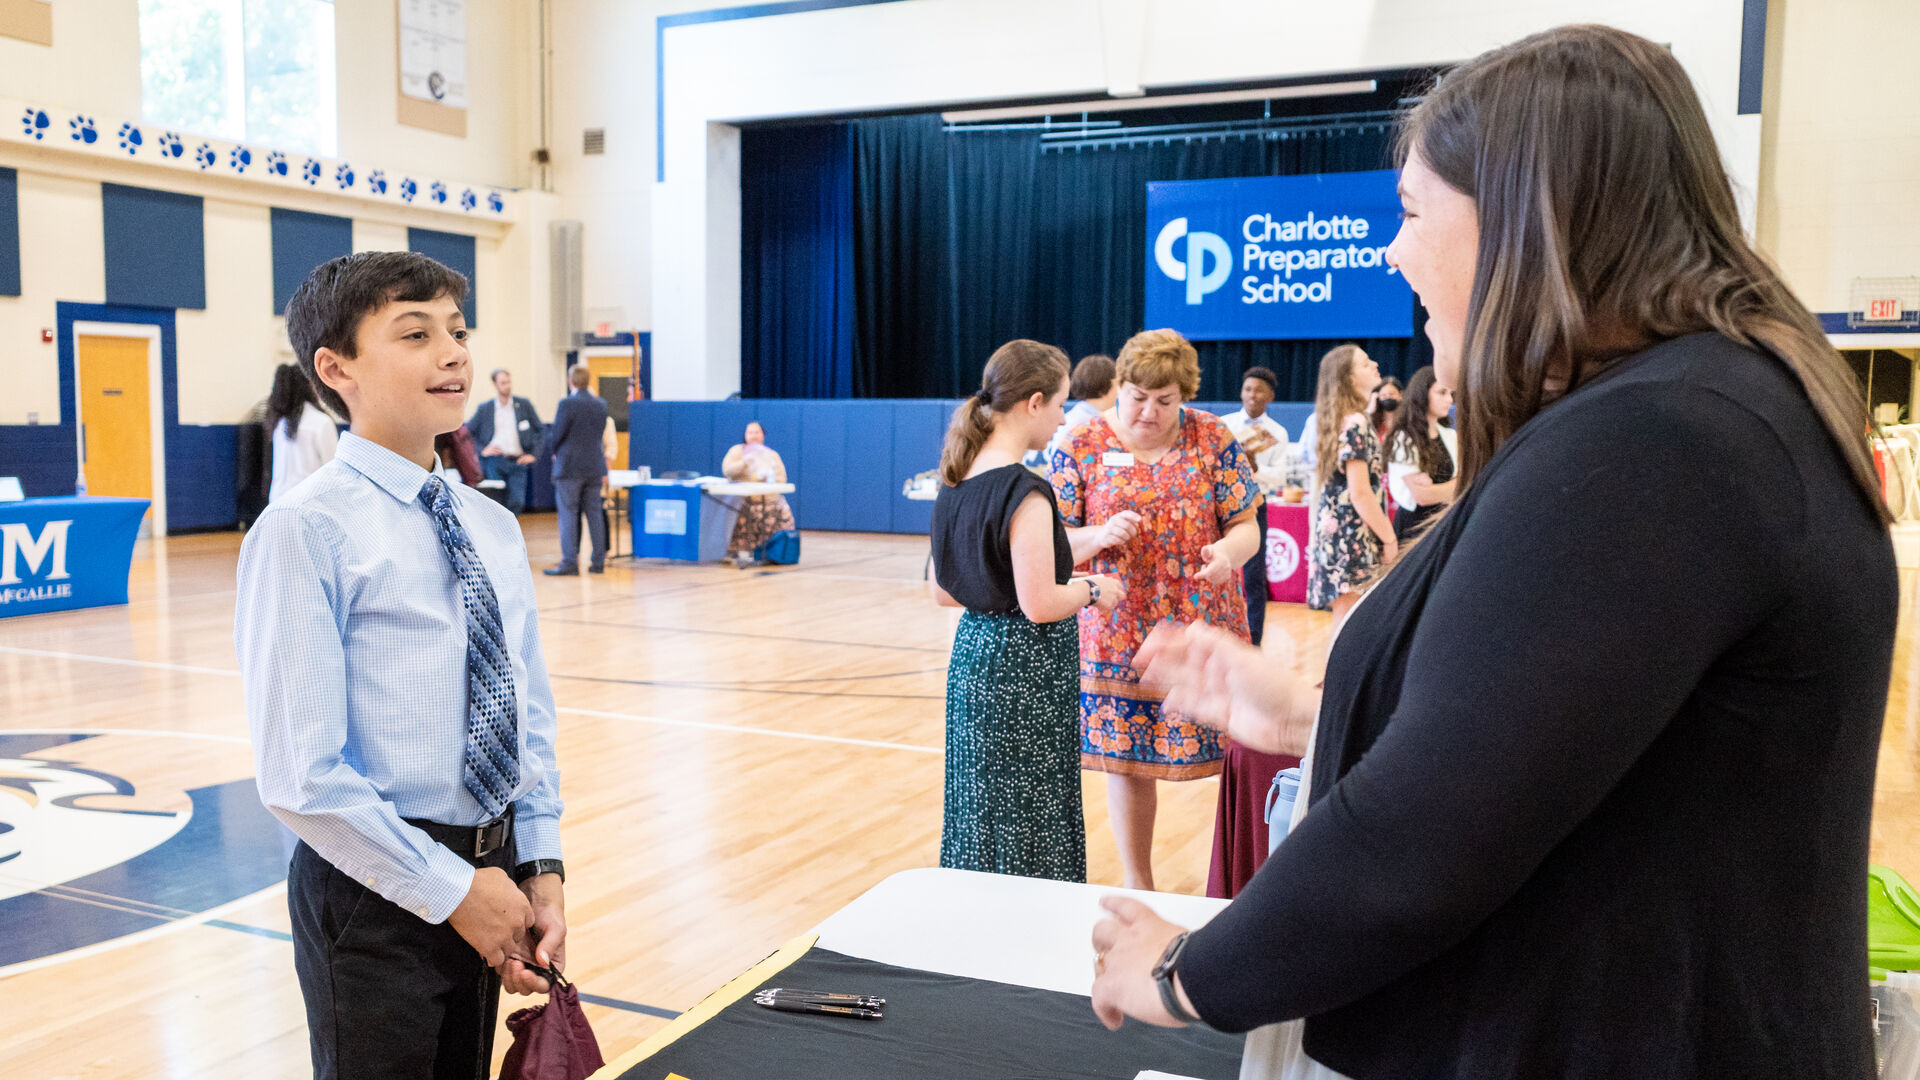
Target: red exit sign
{"points": [[1883, 310]]}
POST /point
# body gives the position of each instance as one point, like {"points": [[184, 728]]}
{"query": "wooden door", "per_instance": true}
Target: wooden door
{"points": [[115, 416]]}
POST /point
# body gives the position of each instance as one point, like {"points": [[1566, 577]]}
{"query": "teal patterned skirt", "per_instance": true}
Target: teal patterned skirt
{"points": [[1013, 749]]}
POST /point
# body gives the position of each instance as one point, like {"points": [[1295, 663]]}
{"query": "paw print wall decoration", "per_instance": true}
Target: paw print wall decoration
{"points": [[130, 139], [170, 146], [35, 123], [83, 130], [310, 172]]}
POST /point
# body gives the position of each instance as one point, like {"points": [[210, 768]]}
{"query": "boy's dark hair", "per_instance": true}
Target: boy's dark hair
{"points": [[1092, 377], [326, 309], [1265, 375]]}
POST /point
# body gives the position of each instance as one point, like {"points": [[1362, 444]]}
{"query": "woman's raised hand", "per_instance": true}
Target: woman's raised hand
{"points": [[1222, 681]]}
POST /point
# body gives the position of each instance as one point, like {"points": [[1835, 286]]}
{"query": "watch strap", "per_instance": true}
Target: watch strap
{"points": [[1163, 979], [528, 870]]}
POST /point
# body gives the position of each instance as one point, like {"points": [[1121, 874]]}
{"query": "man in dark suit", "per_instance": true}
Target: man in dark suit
{"points": [[578, 465], [507, 431]]}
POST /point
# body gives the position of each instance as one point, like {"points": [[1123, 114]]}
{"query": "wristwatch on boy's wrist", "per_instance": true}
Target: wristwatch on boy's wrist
{"points": [[527, 871], [1163, 978], [1093, 592]]}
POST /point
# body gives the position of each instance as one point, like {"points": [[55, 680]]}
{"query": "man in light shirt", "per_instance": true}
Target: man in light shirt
{"points": [[507, 430]]}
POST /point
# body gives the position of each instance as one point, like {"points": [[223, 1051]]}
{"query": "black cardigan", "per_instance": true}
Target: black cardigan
{"points": [[1595, 766]]}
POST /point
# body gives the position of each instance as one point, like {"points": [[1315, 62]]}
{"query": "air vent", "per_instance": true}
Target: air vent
{"points": [[595, 141]]}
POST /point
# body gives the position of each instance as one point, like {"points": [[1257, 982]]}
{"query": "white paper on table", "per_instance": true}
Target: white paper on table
{"points": [[1155, 1074]]}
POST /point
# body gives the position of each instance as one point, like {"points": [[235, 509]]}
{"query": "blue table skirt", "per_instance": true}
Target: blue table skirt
{"points": [[68, 552]]}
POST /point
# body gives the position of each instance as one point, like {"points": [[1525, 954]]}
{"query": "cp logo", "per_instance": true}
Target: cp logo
{"points": [[1199, 281]]}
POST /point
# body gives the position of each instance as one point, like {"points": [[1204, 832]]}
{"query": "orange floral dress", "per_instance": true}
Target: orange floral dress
{"points": [[1184, 501]]}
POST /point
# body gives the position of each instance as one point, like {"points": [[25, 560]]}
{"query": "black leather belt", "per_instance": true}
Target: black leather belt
{"points": [[472, 842]]}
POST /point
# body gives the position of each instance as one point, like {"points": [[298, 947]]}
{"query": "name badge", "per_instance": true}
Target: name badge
{"points": [[1116, 459], [525, 424]]}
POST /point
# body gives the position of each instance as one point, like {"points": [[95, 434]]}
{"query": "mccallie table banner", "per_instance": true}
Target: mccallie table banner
{"points": [[68, 552], [1276, 257]]}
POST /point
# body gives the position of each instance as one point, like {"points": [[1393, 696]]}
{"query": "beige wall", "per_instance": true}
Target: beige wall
{"points": [[227, 352], [1840, 145]]}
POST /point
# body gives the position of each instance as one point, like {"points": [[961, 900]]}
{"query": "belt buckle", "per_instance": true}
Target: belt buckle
{"points": [[486, 838]]}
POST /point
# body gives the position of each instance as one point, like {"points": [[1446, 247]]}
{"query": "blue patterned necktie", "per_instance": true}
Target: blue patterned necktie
{"points": [[492, 762]]}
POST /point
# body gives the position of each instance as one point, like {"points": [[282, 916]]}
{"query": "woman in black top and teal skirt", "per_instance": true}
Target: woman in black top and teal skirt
{"points": [[1013, 686]]}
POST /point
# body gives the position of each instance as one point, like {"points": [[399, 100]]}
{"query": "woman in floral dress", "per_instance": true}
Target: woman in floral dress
{"points": [[1352, 536], [1161, 497]]}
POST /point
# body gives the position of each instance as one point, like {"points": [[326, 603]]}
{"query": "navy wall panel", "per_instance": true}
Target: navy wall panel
{"points": [[302, 241], [647, 434], [824, 443], [690, 438], [201, 481], [870, 490], [919, 430], [9, 233], [156, 247], [44, 456], [455, 250]]}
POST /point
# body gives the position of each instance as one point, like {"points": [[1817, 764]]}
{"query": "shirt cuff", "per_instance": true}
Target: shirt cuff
{"points": [[434, 896], [536, 836]]}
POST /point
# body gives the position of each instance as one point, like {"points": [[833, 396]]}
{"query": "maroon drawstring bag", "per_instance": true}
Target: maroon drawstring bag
{"points": [[552, 1041]]}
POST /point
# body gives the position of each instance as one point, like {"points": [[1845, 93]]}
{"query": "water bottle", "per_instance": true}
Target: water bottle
{"points": [[1280, 797]]}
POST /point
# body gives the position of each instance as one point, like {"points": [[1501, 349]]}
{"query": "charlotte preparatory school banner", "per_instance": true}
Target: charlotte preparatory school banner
{"points": [[1276, 257]]}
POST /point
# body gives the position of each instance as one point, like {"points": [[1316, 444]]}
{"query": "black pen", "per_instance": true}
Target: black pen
{"points": [[823, 997], [815, 1008]]}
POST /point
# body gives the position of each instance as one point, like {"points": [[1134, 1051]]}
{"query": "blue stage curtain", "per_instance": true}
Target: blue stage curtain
{"points": [[796, 262], [962, 241]]}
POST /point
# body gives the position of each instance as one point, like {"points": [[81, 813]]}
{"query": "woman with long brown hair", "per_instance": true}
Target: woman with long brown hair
{"points": [[1421, 454], [1352, 535], [1012, 802], [1545, 831]]}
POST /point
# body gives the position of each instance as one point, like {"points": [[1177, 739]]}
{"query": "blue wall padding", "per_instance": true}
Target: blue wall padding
{"points": [[302, 241], [848, 460], [156, 248]]}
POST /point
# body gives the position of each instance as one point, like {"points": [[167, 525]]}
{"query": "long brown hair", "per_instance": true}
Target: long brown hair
{"points": [[1334, 400], [1410, 422], [1015, 372], [1606, 224]]}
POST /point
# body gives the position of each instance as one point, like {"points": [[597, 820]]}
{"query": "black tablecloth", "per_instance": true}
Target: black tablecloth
{"points": [[937, 1027]]}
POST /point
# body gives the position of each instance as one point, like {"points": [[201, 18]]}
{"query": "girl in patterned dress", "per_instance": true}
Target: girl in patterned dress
{"points": [[1352, 537], [1012, 766], [1161, 497]]}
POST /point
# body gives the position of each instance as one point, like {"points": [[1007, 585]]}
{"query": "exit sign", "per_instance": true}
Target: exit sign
{"points": [[1887, 310]]}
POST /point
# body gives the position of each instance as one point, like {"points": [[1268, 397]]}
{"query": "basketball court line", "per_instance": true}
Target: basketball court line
{"points": [[701, 725]]}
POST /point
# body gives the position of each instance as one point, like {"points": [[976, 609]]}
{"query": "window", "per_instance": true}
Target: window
{"points": [[258, 71]]}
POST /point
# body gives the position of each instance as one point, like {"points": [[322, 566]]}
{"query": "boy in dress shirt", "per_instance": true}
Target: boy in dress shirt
{"points": [[402, 721]]}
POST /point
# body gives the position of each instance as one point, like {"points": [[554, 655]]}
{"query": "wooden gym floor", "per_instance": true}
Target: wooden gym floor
{"points": [[743, 753]]}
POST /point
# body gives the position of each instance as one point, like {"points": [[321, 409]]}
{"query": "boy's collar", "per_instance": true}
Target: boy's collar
{"points": [[392, 473]]}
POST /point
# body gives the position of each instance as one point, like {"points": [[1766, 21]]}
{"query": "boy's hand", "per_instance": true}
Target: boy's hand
{"points": [[494, 917], [549, 936]]}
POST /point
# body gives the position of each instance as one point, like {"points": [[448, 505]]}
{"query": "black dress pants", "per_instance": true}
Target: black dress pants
{"points": [[1254, 580], [388, 994]]}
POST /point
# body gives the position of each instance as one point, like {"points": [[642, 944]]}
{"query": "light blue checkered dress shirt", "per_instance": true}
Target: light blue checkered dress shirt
{"points": [[353, 655]]}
